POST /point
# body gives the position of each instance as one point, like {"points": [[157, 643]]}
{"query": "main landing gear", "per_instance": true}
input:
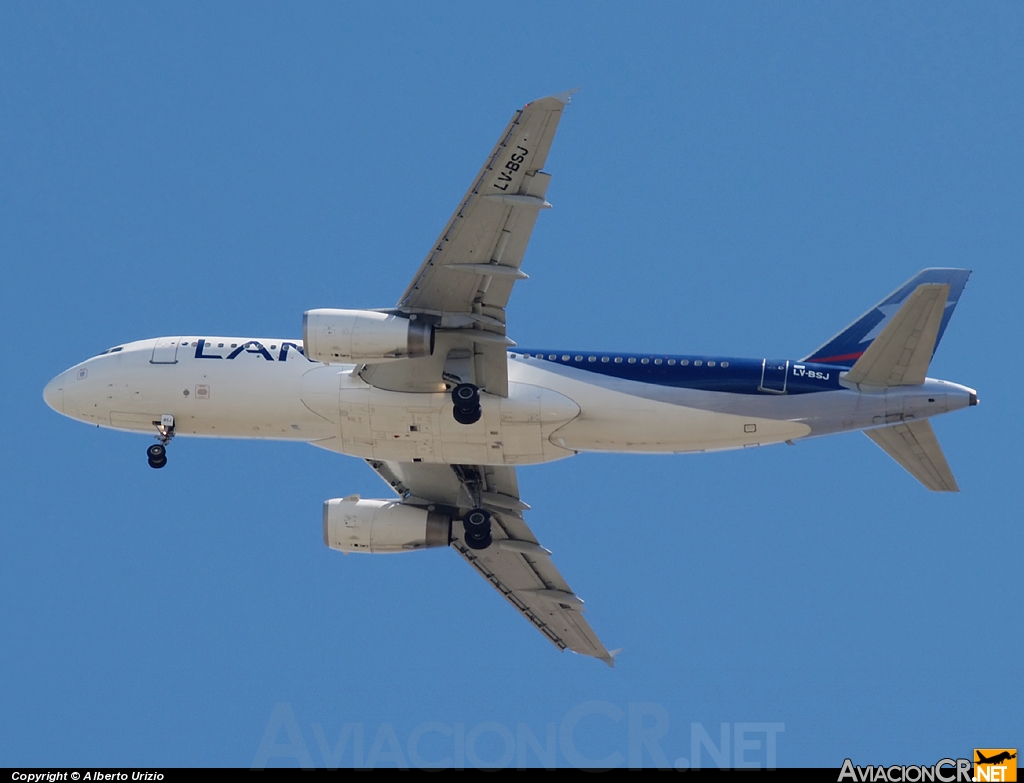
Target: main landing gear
{"points": [[466, 398], [478, 529], [157, 453]]}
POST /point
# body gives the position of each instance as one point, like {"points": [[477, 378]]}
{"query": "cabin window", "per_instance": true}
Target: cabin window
{"points": [[579, 358], [711, 363], [671, 361], [618, 360], [696, 362], [725, 364], [592, 359], [631, 360], [604, 358], [657, 361], [684, 362], [645, 360], [552, 356]]}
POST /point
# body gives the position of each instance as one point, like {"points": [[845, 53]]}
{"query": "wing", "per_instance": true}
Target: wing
{"points": [[516, 565], [465, 282]]}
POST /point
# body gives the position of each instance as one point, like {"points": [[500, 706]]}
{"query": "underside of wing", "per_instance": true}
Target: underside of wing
{"points": [[466, 280], [515, 563]]}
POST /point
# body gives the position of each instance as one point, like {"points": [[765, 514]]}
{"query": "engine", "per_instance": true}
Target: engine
{"points": [[362, 335], [381, 526]]}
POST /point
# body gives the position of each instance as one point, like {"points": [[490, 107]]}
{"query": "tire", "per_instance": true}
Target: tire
{"points": [[156, 452], [477, 524], [477, 520], [482, 543], [466, 396], [157, 463], [466, 417]]}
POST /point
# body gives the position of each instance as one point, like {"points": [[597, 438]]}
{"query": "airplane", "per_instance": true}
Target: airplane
{"points": [[438, 400], [996, 759]]}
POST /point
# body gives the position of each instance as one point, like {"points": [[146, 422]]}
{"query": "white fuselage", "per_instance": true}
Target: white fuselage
{"points": [[266, 388]]}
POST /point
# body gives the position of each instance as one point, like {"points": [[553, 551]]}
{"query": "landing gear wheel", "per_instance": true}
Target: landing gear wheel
{"points": [[466, 398], [156, 455], [462, 417], [478, 529]]}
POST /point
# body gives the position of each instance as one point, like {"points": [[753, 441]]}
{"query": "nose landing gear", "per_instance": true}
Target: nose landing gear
{"points": [[156, 454], [466, 398]]}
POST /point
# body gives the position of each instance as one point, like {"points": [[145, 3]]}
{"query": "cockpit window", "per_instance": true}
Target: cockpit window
{"points": [[111, 350]]}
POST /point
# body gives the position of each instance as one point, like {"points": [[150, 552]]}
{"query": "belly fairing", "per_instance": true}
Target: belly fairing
{"points": [[407, 427]]}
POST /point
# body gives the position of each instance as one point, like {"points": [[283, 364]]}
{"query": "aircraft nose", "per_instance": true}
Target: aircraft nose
{"points": [[53, 393]]}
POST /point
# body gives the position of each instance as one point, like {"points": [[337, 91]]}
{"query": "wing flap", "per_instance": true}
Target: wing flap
{"points": [[515, 564], [914, 446], [489, 226], [454, 287]]}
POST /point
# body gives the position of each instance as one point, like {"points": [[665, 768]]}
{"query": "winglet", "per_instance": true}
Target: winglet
{"points": [[610, 658], [564, 98]]}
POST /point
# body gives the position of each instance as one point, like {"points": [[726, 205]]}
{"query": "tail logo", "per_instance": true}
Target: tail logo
{"points": [[848, 346]]}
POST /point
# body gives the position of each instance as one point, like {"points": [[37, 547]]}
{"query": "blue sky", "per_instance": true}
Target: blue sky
{"points": [[732, 178]]}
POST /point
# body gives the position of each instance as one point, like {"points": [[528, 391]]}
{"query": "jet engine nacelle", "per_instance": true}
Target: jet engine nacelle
{"points": [[331, 336], [382, 526]]}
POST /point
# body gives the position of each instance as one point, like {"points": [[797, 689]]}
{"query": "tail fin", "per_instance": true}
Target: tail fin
{"points": [[849, 345], [900, 355]]}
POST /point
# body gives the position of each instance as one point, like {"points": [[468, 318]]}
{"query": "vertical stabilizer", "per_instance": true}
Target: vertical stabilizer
{"points": [[900, 355], [850, 344]]}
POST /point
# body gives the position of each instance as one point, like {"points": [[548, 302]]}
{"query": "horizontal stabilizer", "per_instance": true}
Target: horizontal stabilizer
{"points": [[916, 448], [850, 344], [900, 355]]}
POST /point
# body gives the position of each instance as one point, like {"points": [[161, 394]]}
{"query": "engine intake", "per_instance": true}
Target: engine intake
{"points": [[382, 526], [332, 336]]}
